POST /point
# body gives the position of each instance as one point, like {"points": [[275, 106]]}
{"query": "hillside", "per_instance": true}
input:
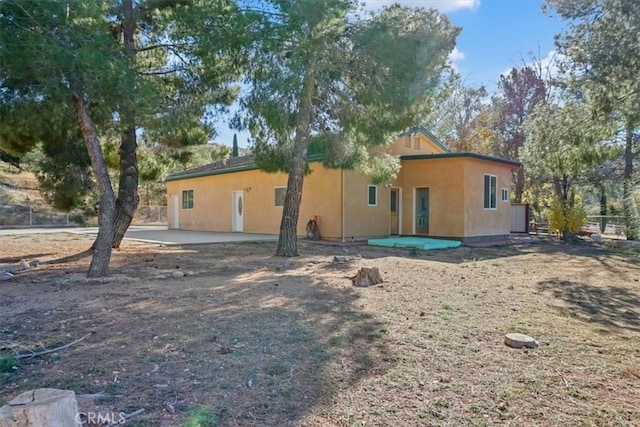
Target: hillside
{"points": [[19, 191], [22, 204]]}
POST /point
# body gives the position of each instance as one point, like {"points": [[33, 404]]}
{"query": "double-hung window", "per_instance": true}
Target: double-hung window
{"points": [[372, 195], [279, 195], [187, 199], [490, 191]]}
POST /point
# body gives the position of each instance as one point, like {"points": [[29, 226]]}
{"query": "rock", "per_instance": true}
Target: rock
{"points": [[224, 350], [597, 238], [34, 264], [23, 265], [160, 276], [285, 266], [177, 274], [517, 340], [345, 259], [5, 275], [189, 273]]}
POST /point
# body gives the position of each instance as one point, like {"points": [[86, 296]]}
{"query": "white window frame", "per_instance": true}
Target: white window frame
{"points": [[369, 194], [193, 199], [505, 194], [275, 190], [494, 179]]}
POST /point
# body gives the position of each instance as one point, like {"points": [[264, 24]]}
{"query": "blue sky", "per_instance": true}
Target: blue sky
{"points": [[499, 34], [496, 35]]}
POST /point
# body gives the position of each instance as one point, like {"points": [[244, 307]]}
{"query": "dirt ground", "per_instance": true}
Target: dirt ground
{"points": [[247, 339]]}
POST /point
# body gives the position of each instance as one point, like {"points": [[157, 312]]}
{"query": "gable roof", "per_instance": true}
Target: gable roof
{"points": [[428, 134], [243, 163], [231, 164]]}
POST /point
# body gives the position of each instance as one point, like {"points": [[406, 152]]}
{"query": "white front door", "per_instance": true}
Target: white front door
{"points": [[175, 212], [238, 211]]}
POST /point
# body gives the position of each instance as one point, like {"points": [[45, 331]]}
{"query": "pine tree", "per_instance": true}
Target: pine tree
{"points": [[321, 78], [234, 150]]}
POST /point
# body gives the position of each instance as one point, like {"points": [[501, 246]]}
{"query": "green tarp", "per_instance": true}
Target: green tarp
{"points": [[421, 243]]}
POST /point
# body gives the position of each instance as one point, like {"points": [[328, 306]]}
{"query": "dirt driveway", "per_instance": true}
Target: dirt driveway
{"points": [[229, 335]]}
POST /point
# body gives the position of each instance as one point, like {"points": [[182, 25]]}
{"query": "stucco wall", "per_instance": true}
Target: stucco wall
{"points": [[445, 180], [213, 201], [480, 221], [425, 145], [362, 220]]}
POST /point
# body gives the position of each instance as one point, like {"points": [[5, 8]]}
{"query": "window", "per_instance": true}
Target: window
{"points": [[505, 195], [416, 142], [372, 199], [280, 192], [187, 199], [407, 141], [490, 191], [394, 201]]}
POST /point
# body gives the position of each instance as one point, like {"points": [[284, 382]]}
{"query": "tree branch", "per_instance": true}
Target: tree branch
{"points": [[162, 72], [169, 46], [53, 350]]}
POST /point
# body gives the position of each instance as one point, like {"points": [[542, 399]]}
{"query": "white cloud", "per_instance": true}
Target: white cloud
{"points": [[549, 65], [455, 56], [443, 6]]}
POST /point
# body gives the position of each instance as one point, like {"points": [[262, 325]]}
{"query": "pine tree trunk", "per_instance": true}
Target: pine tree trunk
{"points": [[288, 240], [102, 247], [603, 208], [128, 199], [630, 220]]}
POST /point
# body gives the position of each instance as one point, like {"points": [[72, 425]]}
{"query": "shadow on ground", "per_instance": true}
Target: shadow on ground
{"points": [[248, 343], [465, 254], [613, 307]]}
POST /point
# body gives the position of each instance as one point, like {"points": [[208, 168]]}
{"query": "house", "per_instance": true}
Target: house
{"points": [[437, 193]]}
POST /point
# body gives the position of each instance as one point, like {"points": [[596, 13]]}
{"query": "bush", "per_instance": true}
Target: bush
{"points": [[566, 222], [7, 363]]}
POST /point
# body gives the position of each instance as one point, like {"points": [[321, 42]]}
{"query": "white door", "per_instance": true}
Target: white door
{"points": [[238, 211], [175, 212]]}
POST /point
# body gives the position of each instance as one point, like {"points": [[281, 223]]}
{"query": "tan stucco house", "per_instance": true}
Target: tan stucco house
{"points": [[437, 193]]}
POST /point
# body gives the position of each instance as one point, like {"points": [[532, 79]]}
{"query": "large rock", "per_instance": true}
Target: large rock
{"points": [[517, 340]]}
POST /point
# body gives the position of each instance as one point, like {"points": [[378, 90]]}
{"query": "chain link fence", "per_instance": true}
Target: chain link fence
{"points": [[39, 216], [150, 215], [25, 215]]}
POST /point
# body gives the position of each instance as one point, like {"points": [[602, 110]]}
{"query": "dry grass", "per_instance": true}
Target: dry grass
{"points": [[245, 341]]}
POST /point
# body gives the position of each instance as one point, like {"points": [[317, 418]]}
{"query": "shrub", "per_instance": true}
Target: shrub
{"points": [[567, 221]]}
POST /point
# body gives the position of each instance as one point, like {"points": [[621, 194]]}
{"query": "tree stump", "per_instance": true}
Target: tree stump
{"points": [[43, 407], [367, 277]]}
